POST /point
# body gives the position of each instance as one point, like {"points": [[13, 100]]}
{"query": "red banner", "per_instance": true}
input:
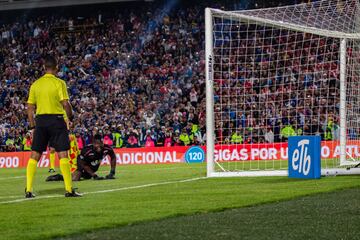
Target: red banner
{"points": [[149, 155], [19, 159], [279, 151], [124, 156], [169, 155]]}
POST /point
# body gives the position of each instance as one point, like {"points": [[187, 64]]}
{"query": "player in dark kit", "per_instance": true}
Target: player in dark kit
{"points": [[89, 160]]}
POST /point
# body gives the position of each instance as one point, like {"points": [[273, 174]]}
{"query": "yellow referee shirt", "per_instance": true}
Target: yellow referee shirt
{"points": [[47, 93]]}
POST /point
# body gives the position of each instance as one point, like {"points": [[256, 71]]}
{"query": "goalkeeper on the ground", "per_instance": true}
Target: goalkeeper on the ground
{"points": [[89, 160]]}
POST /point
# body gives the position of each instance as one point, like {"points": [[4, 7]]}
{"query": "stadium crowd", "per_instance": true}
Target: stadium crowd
{"points": [[282, 86], [138, 79]]}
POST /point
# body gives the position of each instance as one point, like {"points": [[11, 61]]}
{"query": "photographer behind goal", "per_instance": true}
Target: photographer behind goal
{"points": [[89, 160]]}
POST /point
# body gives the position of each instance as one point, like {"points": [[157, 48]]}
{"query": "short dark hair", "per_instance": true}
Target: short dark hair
{"points": [[50, 62]]}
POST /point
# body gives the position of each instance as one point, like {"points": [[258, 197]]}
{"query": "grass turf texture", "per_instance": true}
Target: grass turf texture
{"points": [[332, 215], [54, 217]]}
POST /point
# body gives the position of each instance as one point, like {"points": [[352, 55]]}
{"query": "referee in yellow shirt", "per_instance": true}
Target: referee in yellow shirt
{"points": [[48, 95]]}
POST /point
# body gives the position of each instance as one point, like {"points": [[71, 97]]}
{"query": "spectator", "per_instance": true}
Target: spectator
{"points": [[184, 138], [178, 142], [10, 144], [160, 141], [193, 97], [196, 141], [287, 132], [131, 139], [27, 141], [80, 140], [107, 140], [149, 140], [269, 135], [168, 142], [236, 137], [118, 141], [149, 118]]}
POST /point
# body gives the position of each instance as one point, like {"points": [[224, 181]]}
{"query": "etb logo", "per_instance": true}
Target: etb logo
{"points": [[301, 160], [304, 157]]}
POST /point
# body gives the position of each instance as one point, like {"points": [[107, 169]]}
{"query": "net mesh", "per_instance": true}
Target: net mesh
{"points": [[272, 81], [333, 15]]}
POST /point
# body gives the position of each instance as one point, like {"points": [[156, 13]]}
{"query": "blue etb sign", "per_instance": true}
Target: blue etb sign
{"points": [[304, 157]]}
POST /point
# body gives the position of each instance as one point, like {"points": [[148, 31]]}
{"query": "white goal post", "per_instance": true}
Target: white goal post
{"points": [[279, 72]]}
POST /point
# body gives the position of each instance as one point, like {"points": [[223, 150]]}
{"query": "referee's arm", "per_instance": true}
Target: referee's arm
{"points": [[31, 113], [31, 105], [64, 96], [68, 109]]}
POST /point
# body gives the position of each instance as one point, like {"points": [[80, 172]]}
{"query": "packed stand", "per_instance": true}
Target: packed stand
{"points": [[137, 80], [280, 86]]}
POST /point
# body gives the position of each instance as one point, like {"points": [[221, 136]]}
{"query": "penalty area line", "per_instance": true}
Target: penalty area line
{"points": [[106, 191], [144, 186], [31, 199]]}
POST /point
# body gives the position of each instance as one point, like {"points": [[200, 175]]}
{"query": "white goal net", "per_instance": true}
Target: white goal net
{"points": [[279, 72]]}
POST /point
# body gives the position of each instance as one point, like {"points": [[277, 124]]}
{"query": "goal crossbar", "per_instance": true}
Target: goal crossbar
{"points": [[246, 18]]}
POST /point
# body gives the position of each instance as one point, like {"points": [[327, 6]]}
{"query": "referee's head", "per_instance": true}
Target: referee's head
{"points": [[50, 64]]}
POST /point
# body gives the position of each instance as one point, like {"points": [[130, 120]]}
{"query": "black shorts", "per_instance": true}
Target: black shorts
{"points": [[50, 130]]}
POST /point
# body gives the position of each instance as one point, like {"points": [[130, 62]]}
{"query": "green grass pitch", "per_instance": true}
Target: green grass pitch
{"points": [[177, 202]]}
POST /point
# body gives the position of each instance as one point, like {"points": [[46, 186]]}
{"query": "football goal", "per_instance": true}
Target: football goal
{"points": [[279, 72]]}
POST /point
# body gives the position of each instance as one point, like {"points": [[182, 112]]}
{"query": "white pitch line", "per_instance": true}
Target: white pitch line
{"points": [[31, 199], [106, 191], [5, 197], [6, 178], [144, 186]]}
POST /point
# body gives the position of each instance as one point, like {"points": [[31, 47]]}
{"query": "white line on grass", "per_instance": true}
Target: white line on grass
{"points": [[144, 186], [6, 197], [107, 191], [31, 199], [6, 178]]}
